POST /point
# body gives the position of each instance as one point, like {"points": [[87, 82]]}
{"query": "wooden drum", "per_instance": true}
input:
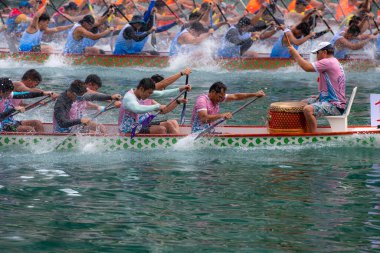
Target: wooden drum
{"points": [[286, 117]]}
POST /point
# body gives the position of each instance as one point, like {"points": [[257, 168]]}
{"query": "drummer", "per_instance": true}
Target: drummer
{"points": [[331, 99], [206, 107]]}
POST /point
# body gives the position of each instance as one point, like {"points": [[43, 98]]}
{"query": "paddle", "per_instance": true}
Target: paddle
{"points": [[369, 25], [170, 9], [52, 5], [135, 5], [243, 4], [195, 5], [110, 106], [182, 120], [319, 34], [1, 17], [330, 11], [121, 13], [27, 108], [376, 25], [180, 9], [221, 12], [136, 127], [278, 24], [5, 5], [279, 10], [326, 24], [211, 127], [153, 39], [341, 9], [376, 4], [283, 3]]}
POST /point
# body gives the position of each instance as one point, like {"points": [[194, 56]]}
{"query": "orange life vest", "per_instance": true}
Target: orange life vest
{"points": [[348, 9], [254, 6], [292, 6]]}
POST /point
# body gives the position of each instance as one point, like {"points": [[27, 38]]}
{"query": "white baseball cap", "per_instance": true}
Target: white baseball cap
{"points": [[322, 45]]}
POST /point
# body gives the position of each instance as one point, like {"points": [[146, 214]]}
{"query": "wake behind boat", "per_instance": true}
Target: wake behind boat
{"points": [[263, 62]]}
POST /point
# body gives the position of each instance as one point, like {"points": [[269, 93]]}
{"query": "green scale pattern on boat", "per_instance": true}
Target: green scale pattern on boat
{"points": [[120, 143]]}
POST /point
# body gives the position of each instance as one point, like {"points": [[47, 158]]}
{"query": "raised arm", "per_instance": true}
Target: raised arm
{"points": [[58, 29], [130, 103], [305, 65], [242, 96], [171, 79], [296, 41], [353, 46]]}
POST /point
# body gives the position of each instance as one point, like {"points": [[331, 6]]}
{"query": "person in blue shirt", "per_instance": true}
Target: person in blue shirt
{"points": [[32, 36], [346, 41], [75, 39], [297, 35]]}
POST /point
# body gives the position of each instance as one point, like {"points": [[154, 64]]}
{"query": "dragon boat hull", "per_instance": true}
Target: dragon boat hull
{"points": [[260, 63], [246, 137]]}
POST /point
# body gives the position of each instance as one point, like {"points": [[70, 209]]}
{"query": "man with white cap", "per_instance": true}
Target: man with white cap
{"points": [[331, 99]]}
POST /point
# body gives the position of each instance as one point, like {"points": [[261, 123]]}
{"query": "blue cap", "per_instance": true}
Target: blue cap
{"points": [[25, 4]]}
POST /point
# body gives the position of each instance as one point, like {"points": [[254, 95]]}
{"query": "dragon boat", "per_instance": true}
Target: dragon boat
{"points": [[246, 137], [286, 125], [264, 62]]}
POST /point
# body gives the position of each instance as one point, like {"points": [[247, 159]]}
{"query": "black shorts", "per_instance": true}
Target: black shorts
{"points": [[145, 130]]}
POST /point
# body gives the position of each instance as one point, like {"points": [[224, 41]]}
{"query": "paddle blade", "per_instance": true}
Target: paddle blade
{"points": [[136, 127], [153, 41], [146, 122], [183, 114]]}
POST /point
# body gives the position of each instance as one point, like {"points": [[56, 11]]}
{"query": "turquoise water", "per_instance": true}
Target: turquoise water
{"points": [[288, 199]]}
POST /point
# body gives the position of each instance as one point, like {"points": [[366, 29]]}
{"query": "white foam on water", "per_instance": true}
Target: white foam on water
{"points": [[13, 64], [186, 143], [285, 166], [55, 61], [201, 58], [70, 192], [44, 148], [52, 173], [26, 177], [1, 186], [14, 238], [90, 148], [30, 206]]}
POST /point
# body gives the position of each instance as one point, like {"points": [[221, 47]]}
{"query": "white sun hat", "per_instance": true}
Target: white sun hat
{"points": [[322, 45]]}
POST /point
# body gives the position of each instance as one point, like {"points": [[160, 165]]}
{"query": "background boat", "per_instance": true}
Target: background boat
{"points": [[264, 62]]}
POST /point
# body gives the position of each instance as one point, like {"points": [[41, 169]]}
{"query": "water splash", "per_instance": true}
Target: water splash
{"points": [[201, 58], [186, 143], [57, 61]]}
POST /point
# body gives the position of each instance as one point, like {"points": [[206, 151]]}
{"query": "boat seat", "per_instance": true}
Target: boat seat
{"points": [[339, 123]]}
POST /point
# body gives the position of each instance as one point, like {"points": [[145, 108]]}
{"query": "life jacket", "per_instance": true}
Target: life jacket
{"points": [[348, 9], [254, 6], [292, 6]]}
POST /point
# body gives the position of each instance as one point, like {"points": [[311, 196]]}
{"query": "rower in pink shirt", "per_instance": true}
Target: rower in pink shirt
{"points": [[206, 107]]}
